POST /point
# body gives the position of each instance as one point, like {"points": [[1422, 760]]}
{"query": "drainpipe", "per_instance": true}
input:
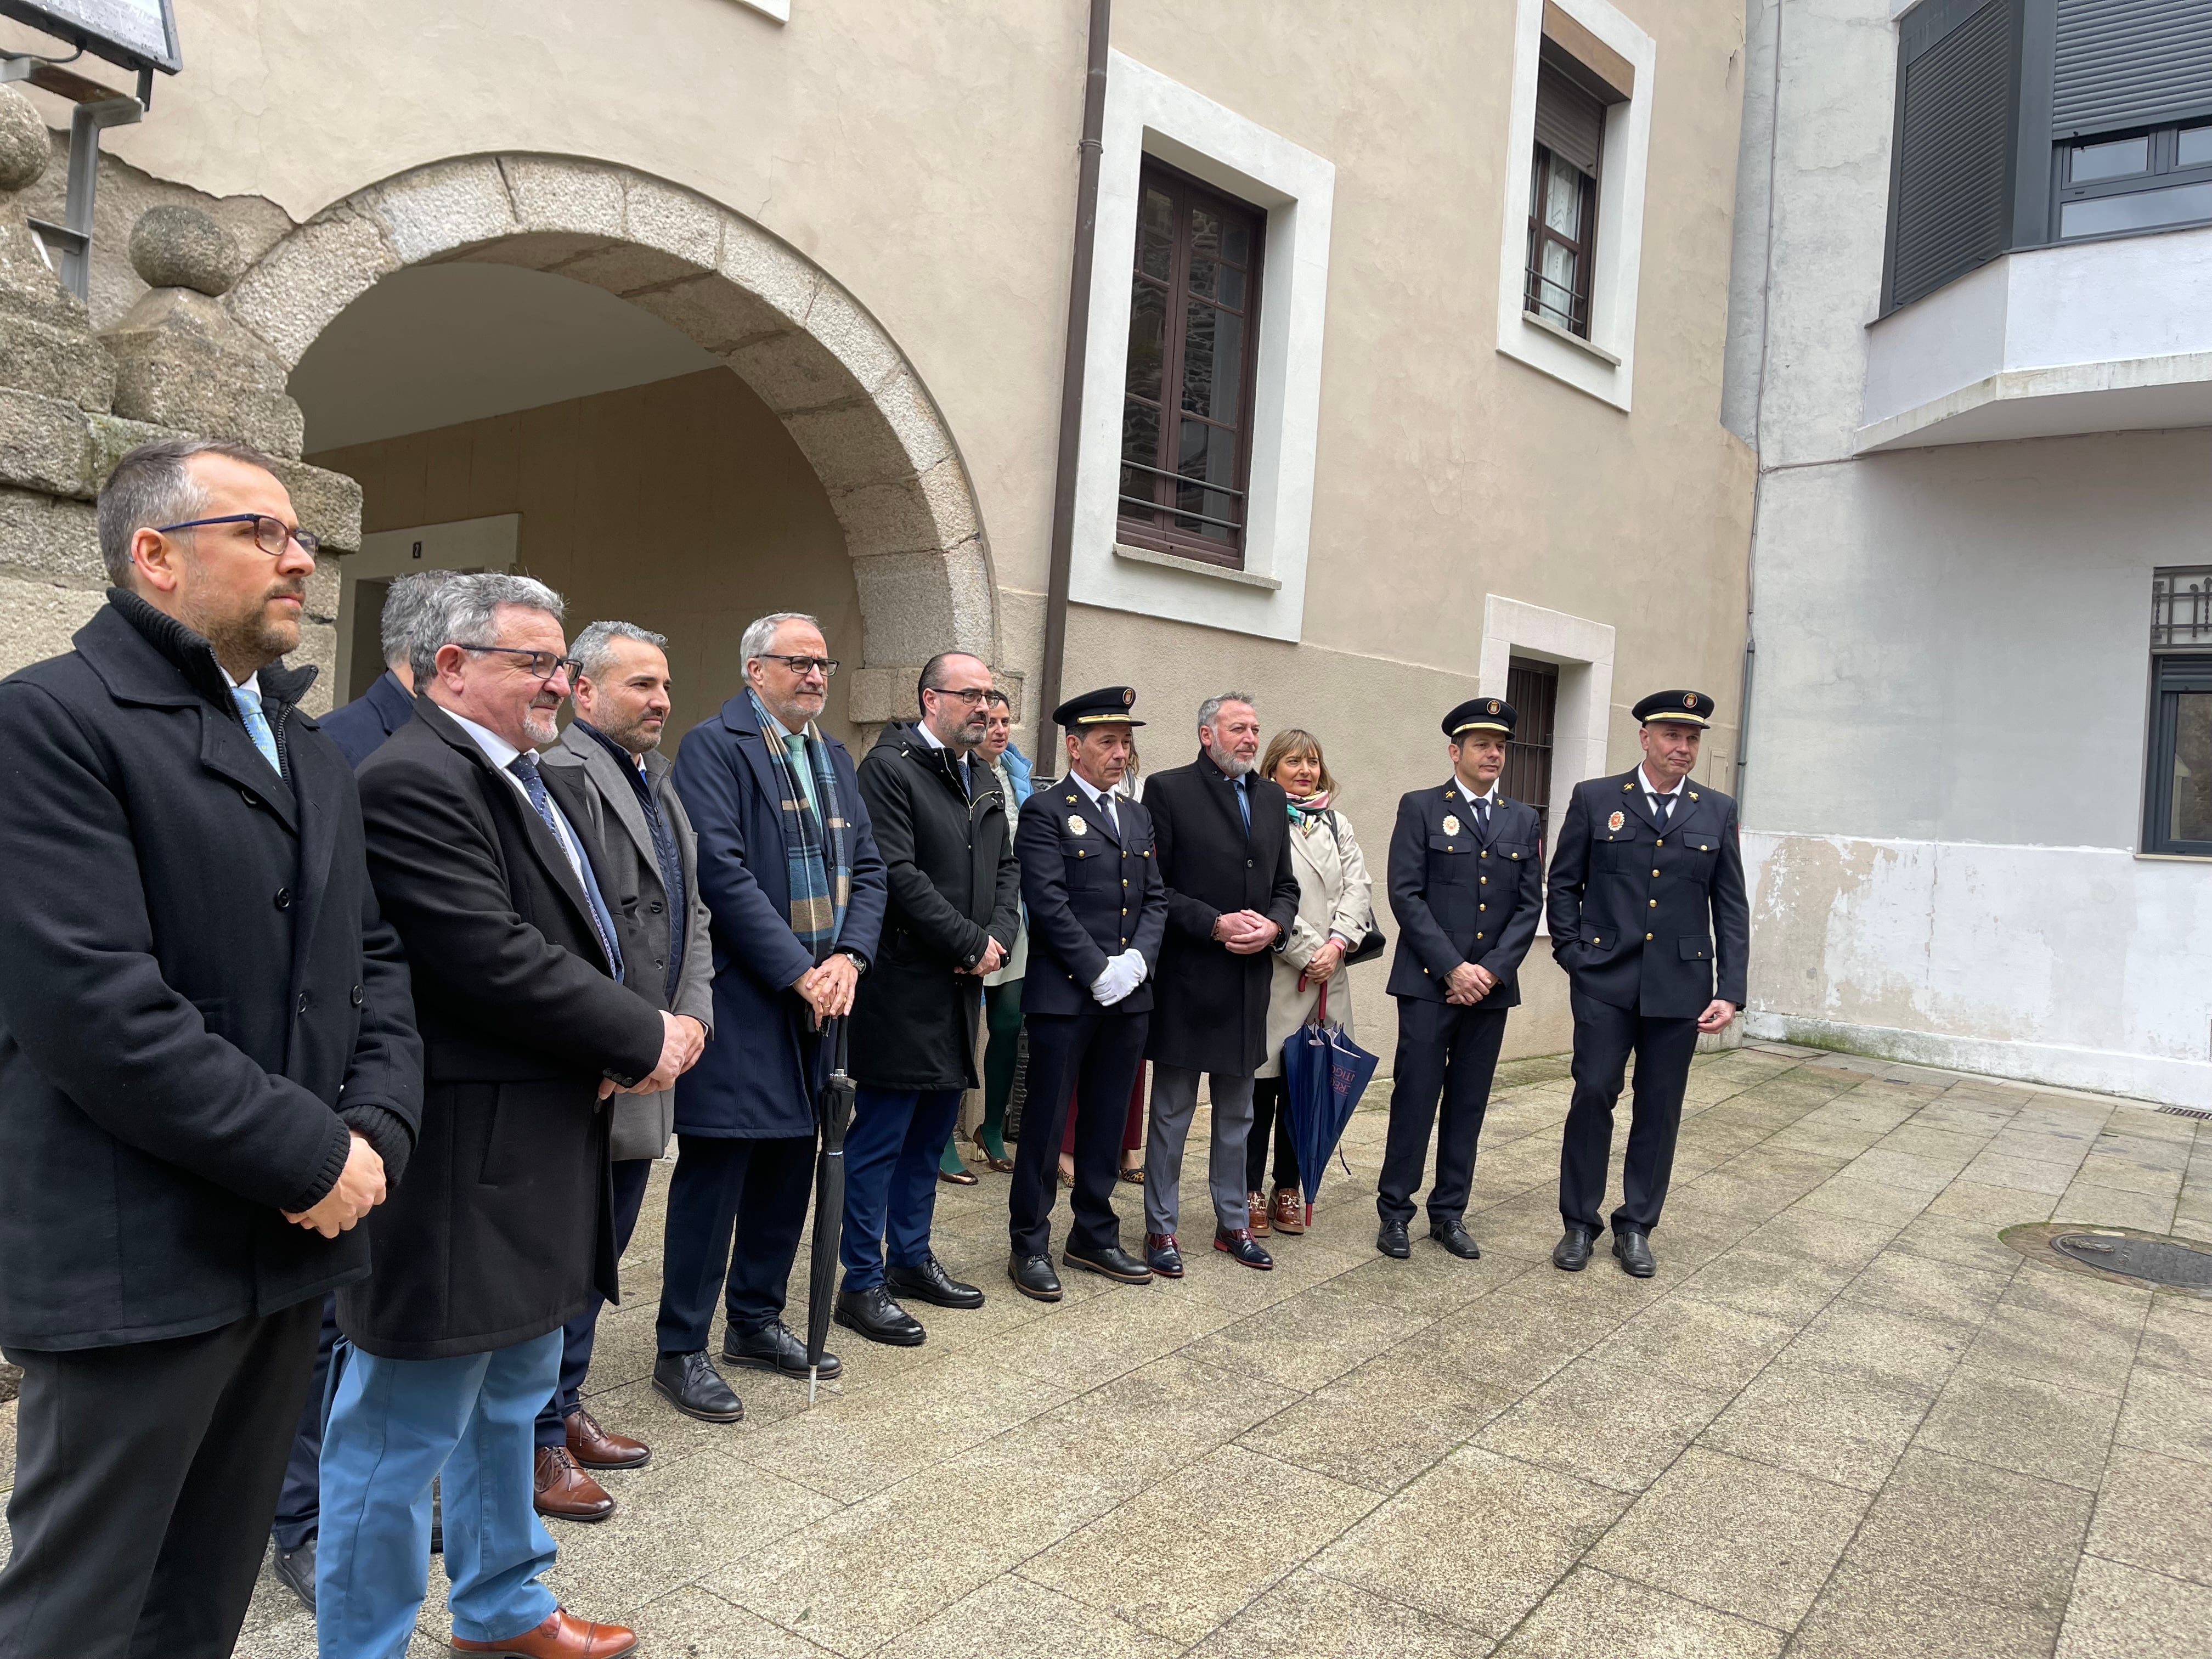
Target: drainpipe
{"points": [[1072, 372]]}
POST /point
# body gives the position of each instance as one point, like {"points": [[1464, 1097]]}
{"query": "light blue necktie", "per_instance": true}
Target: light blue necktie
{"points": [[1244, 804], [257, 725], [802, 770]]}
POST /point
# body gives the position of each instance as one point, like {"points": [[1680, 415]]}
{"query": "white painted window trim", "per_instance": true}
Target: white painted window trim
{"points": [[778, 9], [1583, 650], [1621, 170], [1149, 114]]}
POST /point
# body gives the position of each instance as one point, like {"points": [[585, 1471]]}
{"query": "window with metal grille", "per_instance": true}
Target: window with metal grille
{"points": [[1187, 406], [1562, 200], [1532, 689], [2181, 606]]}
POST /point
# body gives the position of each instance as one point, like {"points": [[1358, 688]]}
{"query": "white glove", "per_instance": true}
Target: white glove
{"points": [[1122, 975]]}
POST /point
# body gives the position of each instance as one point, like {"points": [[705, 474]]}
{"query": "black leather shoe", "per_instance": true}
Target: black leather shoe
{"points": [[1634, 1250], [1163, 1255], [873, 1314], [774, 1347], [689, 1382], [1390, 1239], [1238, 1244], [1454, 1237], [1111, 1261], [297, 1568], [1572, 1252], [1034, 1278], [927, 1281]]}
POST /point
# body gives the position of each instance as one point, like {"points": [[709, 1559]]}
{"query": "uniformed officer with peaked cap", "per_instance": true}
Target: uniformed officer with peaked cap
{"points": [[1098, 912], [1647, 908], [1466, 885]]}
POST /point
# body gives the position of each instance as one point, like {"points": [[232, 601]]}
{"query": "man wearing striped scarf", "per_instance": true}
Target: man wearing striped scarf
{"points": [[789, 871]]}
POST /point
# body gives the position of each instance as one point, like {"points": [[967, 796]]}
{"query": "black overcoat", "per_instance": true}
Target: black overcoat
{"points": [[505, 1223], [1463, 895], [1649, 917], [197, 996], [1211, 1011], [954, 884]]}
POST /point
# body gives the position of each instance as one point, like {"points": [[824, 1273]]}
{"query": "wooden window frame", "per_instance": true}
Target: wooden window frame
{"points": [[1532, 749], [1575, 80], [1156, 529]]}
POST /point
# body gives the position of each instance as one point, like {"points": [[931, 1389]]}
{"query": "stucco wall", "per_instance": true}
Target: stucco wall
{"points": [[683, 506]]}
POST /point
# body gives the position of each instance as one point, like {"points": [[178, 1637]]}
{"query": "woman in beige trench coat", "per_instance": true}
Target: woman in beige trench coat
{"points": [[1335, 910]]}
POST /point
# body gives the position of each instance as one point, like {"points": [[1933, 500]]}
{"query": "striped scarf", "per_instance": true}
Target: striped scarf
{"points": [[821, 880]]}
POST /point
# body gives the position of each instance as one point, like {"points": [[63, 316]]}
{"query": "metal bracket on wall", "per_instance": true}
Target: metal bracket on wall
{"points": [[98, 108]]}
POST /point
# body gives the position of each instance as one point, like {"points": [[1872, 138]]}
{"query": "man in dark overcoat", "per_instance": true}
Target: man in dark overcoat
{"points": [[209, 1068], [1650, 917], [955, 906], [791, 875], [361, 727], [610, 778], [1466, 885], [1224, 853], [504, 1228]]}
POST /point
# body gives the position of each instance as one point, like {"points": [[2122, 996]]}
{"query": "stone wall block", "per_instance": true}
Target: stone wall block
{"points": [[58, 540], [966, 574], [324, 586], [328, 504], [309, 277], [761, 264], [39, 619], [884, 519], [875, 694], [907, 409], [626, 269], [439, 209], [850, 445], [906, 611], [852, 336], [554, 193], [715, 314], [318, 649], [792, 372], [182, 362], [952, 503], [56, 362], [537, 250], [43, 445], [659, 214]]}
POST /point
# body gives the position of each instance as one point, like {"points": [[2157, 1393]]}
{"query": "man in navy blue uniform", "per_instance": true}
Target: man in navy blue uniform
{"points": [[1097, 914], [1466, 885], [1647, 906]]}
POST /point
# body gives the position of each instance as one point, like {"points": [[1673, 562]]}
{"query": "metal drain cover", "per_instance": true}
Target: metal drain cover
{"points": [[2152, 1259]]}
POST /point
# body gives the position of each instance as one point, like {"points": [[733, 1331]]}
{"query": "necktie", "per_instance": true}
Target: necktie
{"points": [[802, 769], [1106, 805], [1661, 806], [1482, 813], [1244, 804], [524, 766], [257, 723]]}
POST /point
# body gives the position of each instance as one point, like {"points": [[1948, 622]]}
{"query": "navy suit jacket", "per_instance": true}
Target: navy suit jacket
{"points": [[1461, 895], [359, 728], [1092, 894], [759, 1077]]}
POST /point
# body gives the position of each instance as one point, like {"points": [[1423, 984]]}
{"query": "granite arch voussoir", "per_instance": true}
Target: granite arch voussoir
{"points": [[816, 357]]}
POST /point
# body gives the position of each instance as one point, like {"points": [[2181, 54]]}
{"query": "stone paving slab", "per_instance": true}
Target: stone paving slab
{"points": [[1845, 1420]]}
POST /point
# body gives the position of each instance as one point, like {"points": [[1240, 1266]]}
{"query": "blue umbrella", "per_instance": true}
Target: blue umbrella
{"points": [[1324, 1074]]}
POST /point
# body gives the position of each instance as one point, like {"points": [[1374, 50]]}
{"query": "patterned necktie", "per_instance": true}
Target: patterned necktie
{"points": [[257, 723], [524, 766], [1244, 804]]}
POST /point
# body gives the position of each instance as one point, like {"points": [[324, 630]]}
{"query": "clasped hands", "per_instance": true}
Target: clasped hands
{"points": [[682, 1040], [1467, 984], [1246, 933], [1123, 974], [358, 1189]]}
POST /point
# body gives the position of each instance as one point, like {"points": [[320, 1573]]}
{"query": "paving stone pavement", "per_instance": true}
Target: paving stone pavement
{"points": [[1844, 1420]]}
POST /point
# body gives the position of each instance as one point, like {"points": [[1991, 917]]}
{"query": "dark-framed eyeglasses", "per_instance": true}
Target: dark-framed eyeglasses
{"points": [[971, 698], [269, 535], [801, 666], [544, 664]]}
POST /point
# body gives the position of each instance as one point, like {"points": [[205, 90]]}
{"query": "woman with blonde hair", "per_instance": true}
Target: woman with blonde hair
{"points": [[1335, 910]]}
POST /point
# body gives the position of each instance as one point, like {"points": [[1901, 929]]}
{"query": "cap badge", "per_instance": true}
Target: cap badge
{"points": [[1128, 696], [1689, 700], [1493, 705], [1615, 821], [1076, 826], [1451, 824]]}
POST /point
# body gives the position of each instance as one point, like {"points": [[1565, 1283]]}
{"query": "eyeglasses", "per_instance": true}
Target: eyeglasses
{"points": [[971, 698], [544, 665], [269, 535], [802, 667]]}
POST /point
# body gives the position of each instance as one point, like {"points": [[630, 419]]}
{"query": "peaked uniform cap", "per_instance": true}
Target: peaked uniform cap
{"points": [[1108, 705], [1480, 715], [1683, 707]]}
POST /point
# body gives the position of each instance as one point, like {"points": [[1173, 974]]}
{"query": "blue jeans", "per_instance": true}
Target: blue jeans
{"points": [[890, 1177], [396, 1424]]}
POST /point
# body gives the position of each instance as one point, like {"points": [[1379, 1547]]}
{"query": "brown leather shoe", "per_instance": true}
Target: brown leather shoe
{"points": [[1290, 1211], [565, 1492], [1256, 1205], [595, 1448], [561, 1636]]}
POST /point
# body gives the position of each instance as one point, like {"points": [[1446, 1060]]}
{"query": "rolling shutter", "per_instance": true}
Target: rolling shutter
{"points": [[1569, 123], [1952, 194], [2129, 63]]}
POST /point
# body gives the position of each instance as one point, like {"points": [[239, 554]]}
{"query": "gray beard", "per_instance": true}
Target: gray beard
{"points": [[1232, 765]]}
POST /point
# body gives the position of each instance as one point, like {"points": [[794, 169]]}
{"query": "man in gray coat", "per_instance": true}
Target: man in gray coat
{"points": [[610, 778]]}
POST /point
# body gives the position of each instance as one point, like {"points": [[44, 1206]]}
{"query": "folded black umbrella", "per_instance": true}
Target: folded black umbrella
{"points": [[833, 1115]]}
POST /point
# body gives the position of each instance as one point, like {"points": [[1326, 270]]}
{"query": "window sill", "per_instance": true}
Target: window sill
{"points": [[1196, 567], [1570, 336]]}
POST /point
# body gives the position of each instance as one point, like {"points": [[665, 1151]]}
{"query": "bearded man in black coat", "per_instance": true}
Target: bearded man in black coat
{"points": [[209, 1069], [955, 906], [1224, 838]]}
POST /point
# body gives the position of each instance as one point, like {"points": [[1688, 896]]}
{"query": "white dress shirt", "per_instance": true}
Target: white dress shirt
{"points": [[1655, 794], [502, 753], [1103, 800]]}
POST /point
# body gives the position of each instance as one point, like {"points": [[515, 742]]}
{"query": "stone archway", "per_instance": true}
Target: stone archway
{"points": [[822, 365]]}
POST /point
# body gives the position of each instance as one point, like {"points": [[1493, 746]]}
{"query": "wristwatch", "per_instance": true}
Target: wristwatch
{"points": [[860, 963]]}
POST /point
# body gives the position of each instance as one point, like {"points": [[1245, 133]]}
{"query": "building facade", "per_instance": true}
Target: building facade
{"points": [[1970, 346], [1400, 379]]}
